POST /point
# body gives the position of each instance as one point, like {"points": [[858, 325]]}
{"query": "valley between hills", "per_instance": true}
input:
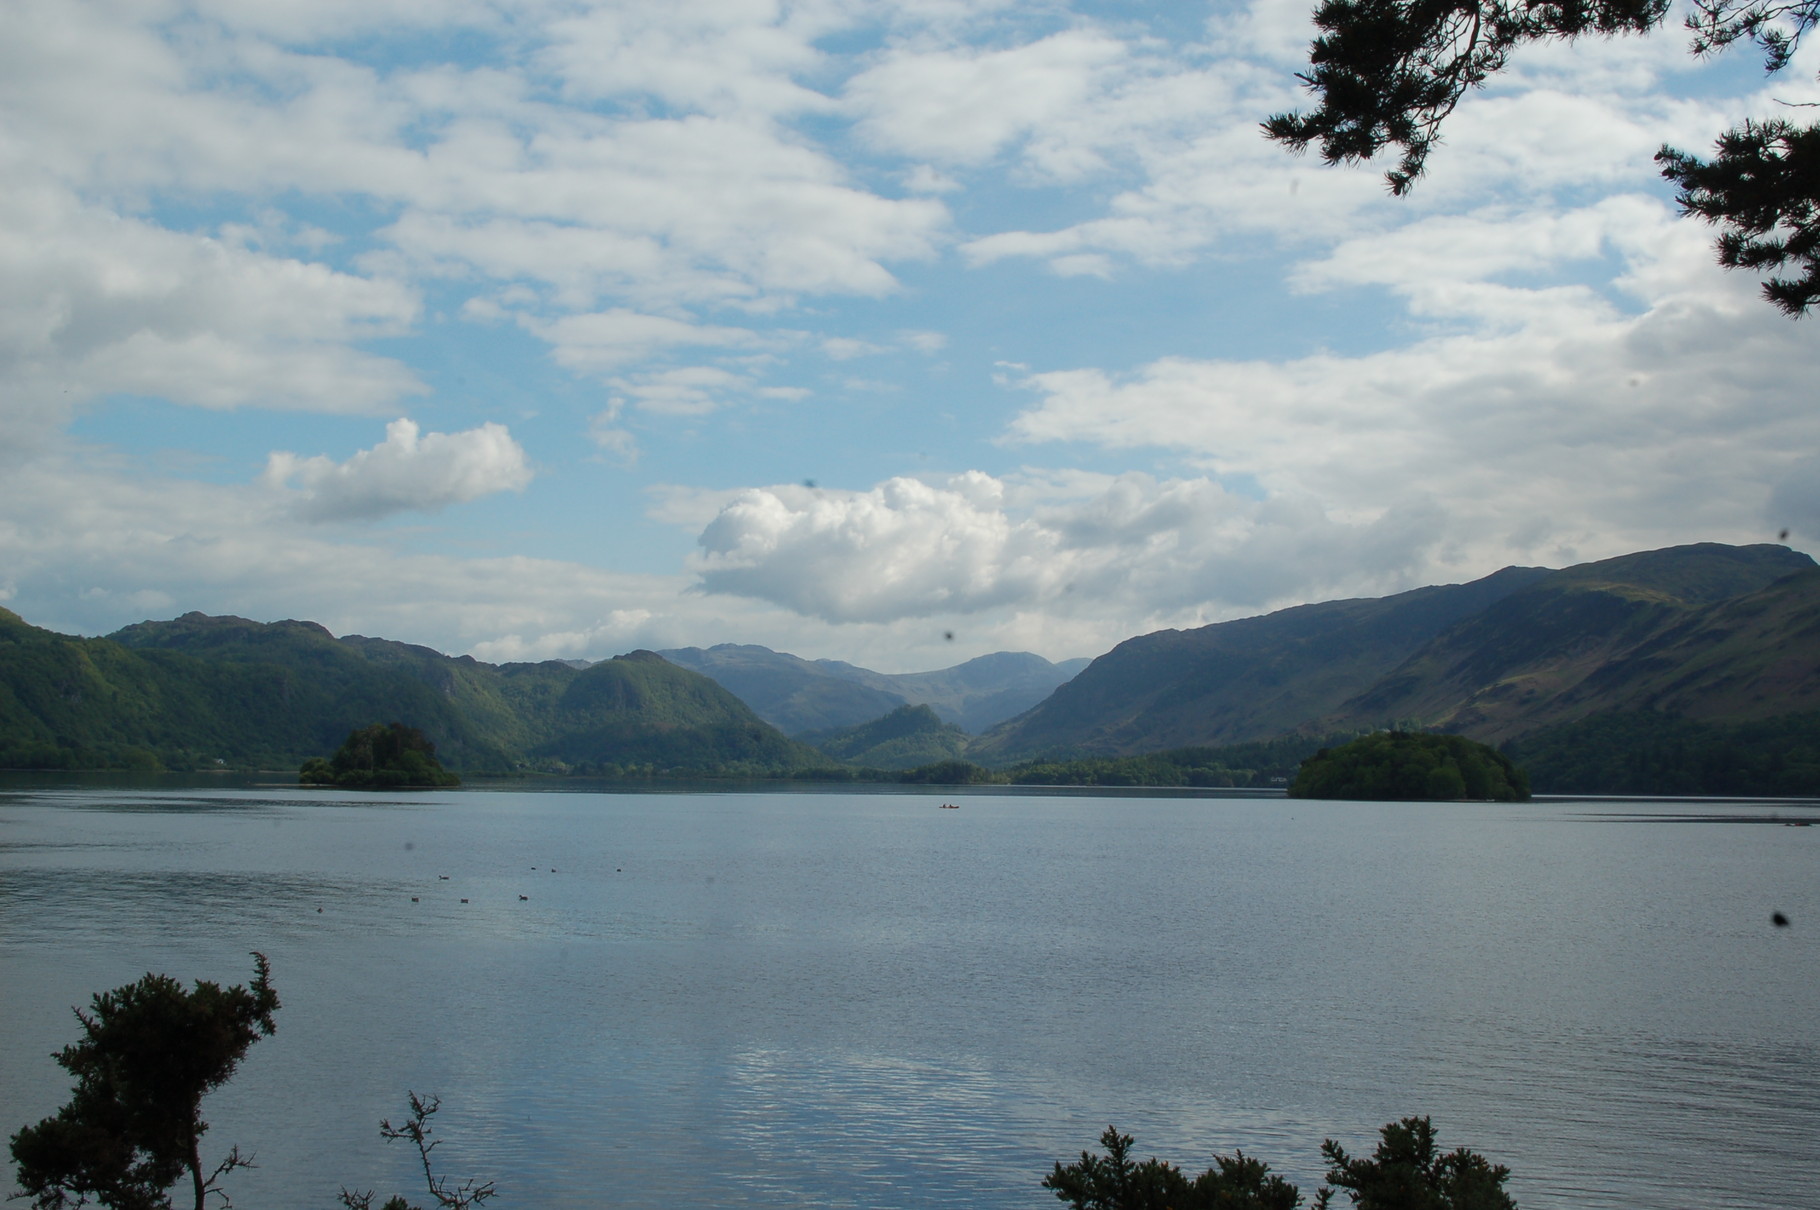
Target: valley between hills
{"points": [[1688, 670]]}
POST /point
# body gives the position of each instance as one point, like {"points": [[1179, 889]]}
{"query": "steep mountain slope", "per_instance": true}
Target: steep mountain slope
{"points": [[198, 689], [907, 738], [1708, 630], [640, 709], [798, 695], [319, 687], [1235, 682], [67, 702], [1753, 657]]}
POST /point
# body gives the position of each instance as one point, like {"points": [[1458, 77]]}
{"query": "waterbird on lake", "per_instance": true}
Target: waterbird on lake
{"points": [[1776, 918], [522, 898]]}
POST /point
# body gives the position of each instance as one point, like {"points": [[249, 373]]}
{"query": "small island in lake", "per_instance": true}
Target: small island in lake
{"points": [[380, 756], [1402, 766]]}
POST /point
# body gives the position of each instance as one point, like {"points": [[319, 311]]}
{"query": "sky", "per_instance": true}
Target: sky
{"points": [[897, 332]]}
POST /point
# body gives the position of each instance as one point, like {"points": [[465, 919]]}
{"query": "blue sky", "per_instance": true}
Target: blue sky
{"points": [[890, 332]]}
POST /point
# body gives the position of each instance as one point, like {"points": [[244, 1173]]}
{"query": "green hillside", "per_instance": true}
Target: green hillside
{"points": [[1649, 752], [320, 687], [639, 712], [1647, 631], [1237, 682], [206, 692], [906, 738]]}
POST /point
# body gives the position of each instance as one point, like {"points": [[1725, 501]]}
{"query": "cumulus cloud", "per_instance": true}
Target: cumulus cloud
{"points": [[88, 550], [408, 471], [1186, 549], [651, 192]]}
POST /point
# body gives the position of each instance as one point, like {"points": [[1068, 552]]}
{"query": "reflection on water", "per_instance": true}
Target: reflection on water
{"points": [[854, 999]]}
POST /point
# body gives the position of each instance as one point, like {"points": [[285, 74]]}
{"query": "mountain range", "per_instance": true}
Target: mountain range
{"points": [[203, 692], [1661, 650], [797, 695], [1711, 632]]}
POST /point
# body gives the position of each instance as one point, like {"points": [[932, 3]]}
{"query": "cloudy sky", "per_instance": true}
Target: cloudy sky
{"points": [[897, 331]]}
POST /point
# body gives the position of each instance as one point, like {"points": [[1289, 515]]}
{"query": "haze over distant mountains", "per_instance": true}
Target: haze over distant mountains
{"points": [[797, 695]]}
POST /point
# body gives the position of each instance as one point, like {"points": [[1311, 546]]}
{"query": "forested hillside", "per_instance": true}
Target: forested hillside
{"points": [[204, 692]]}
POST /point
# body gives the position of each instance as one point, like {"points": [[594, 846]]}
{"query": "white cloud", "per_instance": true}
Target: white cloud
{"points": [[846, 348], [89, 549], [485, 172], [1127, 545], [1546, 420], [609, 339], [96, 303], [713, 56], [695, 209], [963, 105], [684, 390], [606, 432], [408, 471], [923, 341], [212, 203]]}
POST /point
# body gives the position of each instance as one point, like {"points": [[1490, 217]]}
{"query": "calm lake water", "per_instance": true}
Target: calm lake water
{"points": [[841, 999]]}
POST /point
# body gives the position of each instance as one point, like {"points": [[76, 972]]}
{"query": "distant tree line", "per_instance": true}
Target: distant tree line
{"points": [[1646, 752], [1263, 764]]}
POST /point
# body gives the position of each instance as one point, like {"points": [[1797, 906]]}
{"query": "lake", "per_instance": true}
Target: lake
{"points": [[858, 999]]}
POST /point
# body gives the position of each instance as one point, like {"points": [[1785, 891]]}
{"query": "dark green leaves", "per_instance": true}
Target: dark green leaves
{"points": [[1116, 1182], [1406, 1172], [1401, 766], [149, 1053], [384, 754], [1762, 190], [1388, 72]]}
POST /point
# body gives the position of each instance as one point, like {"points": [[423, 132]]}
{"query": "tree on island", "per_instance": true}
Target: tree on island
{"points": [[133, 1126], [1403, 766], [384, 754], [1405, 1172], [1389, 72]]}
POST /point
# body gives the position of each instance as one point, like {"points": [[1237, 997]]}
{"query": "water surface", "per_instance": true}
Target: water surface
{"points": [[857, 999]]}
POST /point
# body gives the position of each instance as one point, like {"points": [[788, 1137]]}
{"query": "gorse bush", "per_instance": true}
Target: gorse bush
{"points": [[1407, 1171]]}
